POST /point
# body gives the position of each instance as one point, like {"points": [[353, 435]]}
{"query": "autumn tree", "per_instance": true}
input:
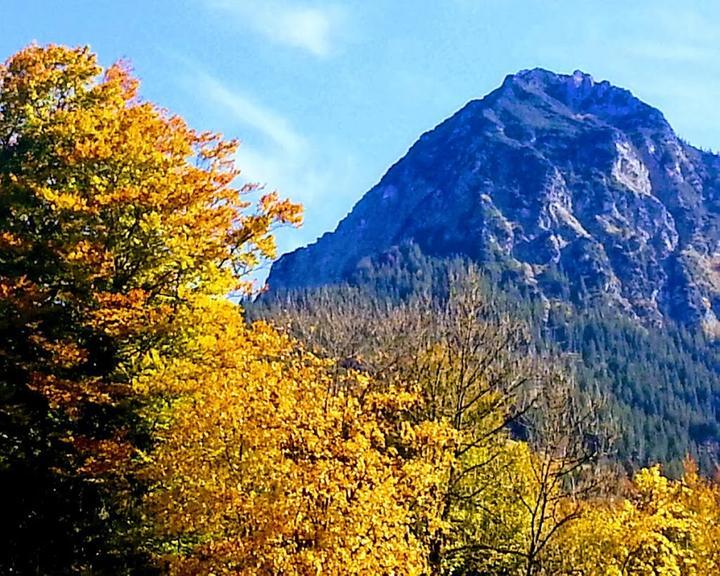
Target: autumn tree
{"points": [[475, 367], [116, 221], [658, 526], [566, 466], [267, 464]]}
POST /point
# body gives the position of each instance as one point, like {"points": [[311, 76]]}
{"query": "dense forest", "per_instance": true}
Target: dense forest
{"points": [[149, 425], [661, 385]]}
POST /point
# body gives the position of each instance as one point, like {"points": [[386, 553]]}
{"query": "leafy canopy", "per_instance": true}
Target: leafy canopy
{"points": [[116, 218]]}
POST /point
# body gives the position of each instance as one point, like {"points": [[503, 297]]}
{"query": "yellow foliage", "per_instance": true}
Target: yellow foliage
{"points": [[262, 469], [117, 213], [665, 527], [116, 220]]}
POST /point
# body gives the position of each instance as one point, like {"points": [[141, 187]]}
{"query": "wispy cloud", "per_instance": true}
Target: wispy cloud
{"points": [[274, 154], [313, 28], [268, 123]]}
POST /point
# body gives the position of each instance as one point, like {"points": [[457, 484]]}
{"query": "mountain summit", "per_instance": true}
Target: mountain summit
{"points": [[574, 188]]}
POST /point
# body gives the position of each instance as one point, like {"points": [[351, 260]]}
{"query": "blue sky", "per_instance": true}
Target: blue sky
{"points": [[325, 96]]}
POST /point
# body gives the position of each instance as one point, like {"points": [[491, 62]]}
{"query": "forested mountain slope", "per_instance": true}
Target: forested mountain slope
{"points": [[581, 204], [548, 176], [661, 386]]}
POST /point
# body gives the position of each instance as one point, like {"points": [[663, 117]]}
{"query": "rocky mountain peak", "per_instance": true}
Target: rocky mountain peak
{"points": [[575, 188], [540, 77], [580, 93]]}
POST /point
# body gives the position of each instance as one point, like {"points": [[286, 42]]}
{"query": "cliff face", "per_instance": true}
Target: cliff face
{"points": [[550, 176]]}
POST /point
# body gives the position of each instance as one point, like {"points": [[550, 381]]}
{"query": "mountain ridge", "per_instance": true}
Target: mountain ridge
{"points": [[547, 173]]}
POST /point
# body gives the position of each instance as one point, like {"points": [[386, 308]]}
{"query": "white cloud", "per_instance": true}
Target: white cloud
{"points": [[271, 149], [311, 28], [271, 125], [275, 155]]}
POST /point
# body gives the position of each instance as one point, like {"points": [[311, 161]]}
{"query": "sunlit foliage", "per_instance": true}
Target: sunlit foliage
{"points": [[663, 527], [115, 217], [269, 465]]}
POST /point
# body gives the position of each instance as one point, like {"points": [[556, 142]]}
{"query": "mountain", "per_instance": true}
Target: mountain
{"points": [[570, 188]]}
